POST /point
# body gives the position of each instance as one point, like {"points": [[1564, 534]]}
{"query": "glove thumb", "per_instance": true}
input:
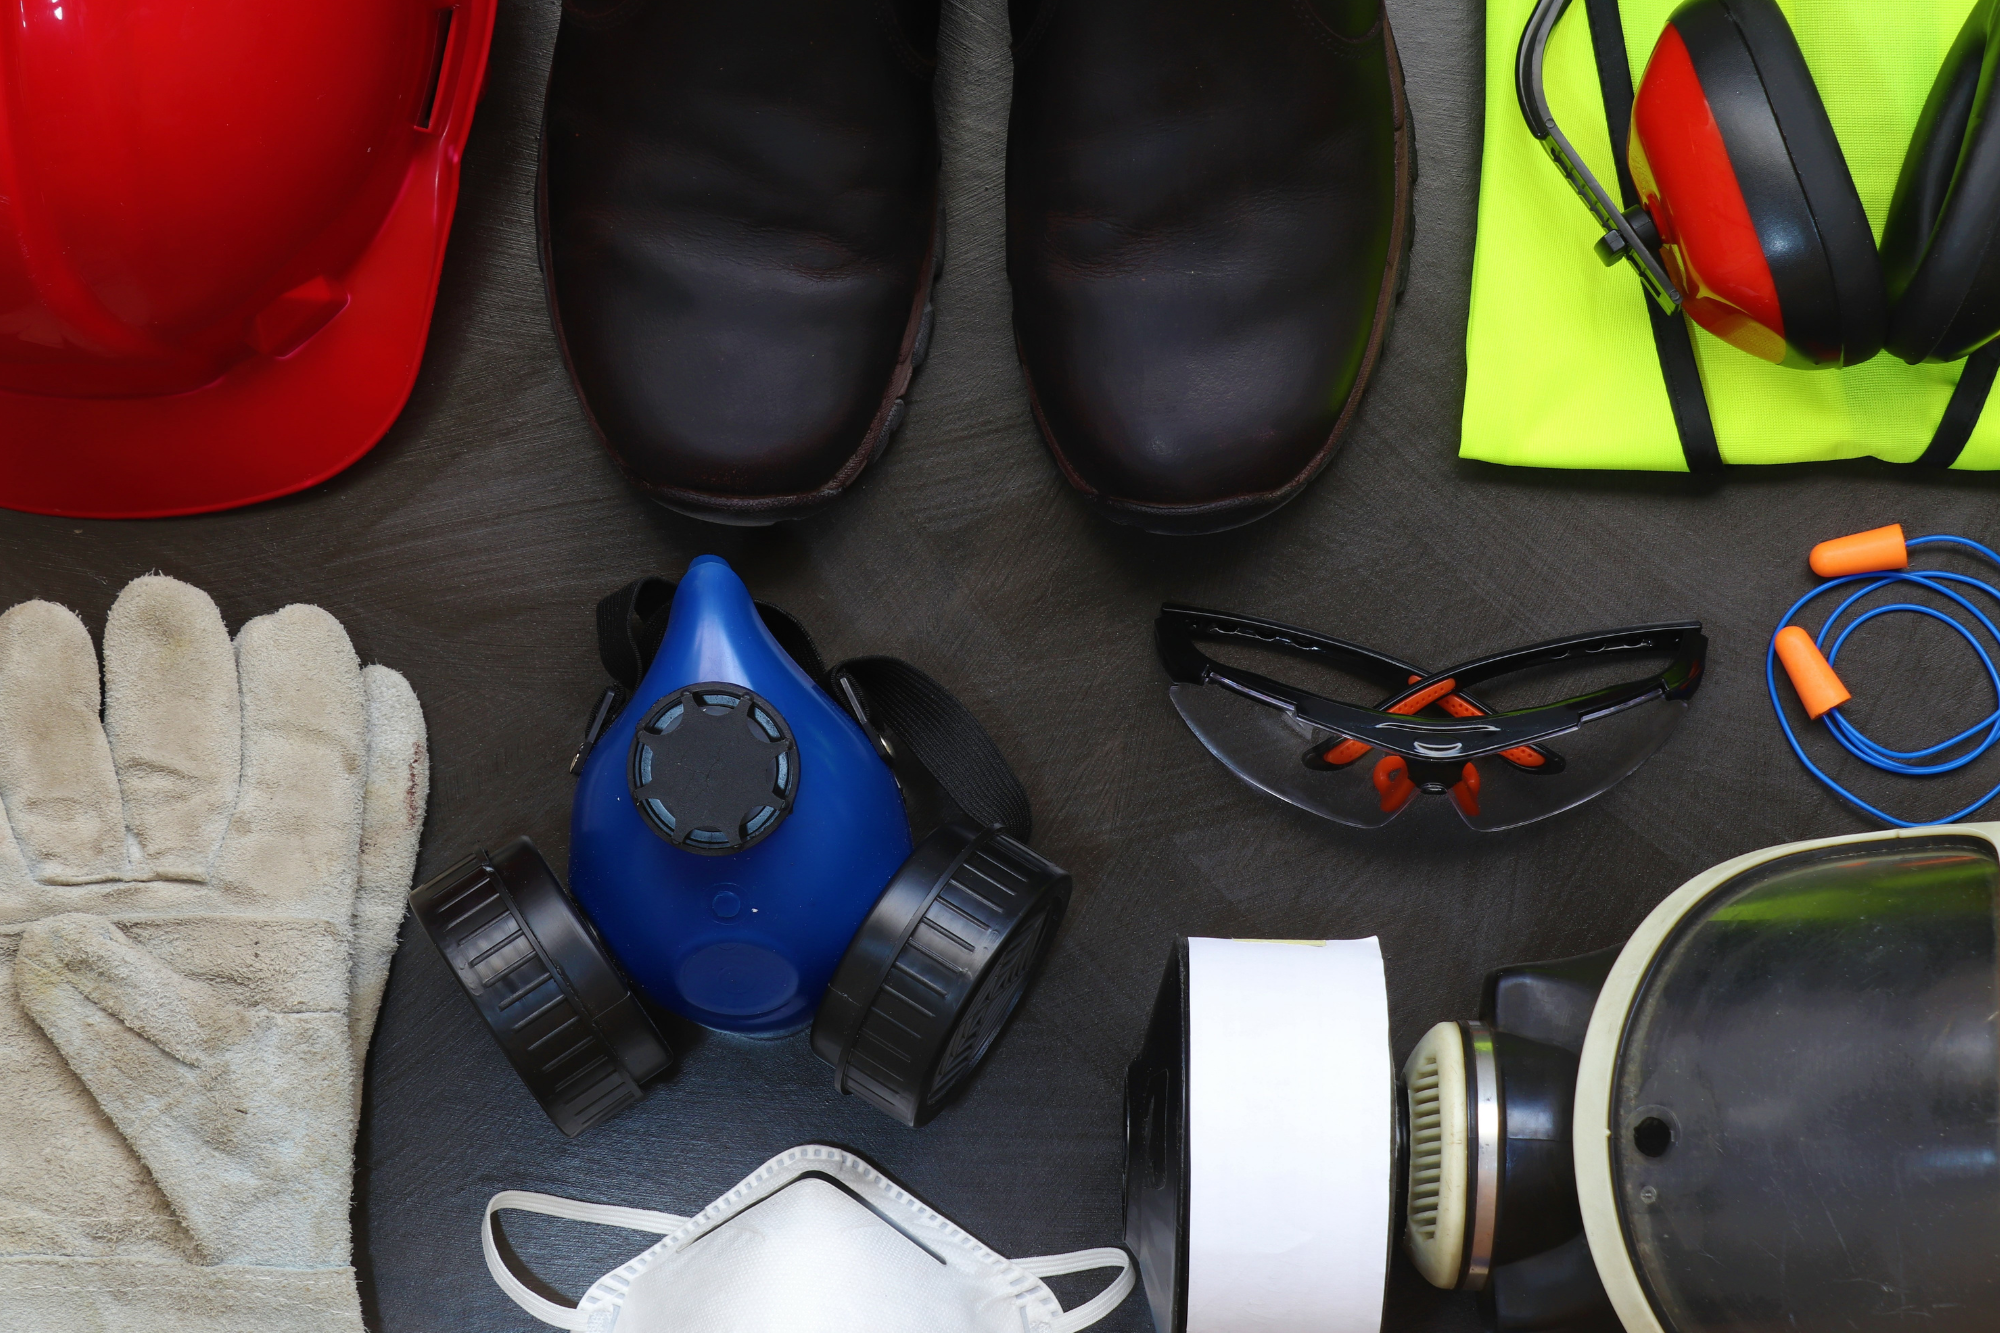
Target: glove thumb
{"points": [[202, 1089], [76, 971]]}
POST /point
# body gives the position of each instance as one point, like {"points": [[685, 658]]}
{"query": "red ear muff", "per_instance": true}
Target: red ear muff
{"points": [[1688, 184], [1738, 166]]}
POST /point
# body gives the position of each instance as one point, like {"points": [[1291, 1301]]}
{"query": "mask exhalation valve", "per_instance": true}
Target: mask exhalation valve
{"points": [[714, 769]]}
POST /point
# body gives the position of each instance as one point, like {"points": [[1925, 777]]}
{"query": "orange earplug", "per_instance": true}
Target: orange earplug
{"points": [[1869, 552], [1812, 675]]}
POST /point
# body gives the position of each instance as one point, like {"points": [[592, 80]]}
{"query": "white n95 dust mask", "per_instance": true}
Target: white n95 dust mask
{"points": [[814, 1241]]}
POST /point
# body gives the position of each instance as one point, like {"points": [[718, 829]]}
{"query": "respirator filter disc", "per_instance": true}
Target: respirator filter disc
{"points": [[937, 969], [542, 979], [714, 768]]}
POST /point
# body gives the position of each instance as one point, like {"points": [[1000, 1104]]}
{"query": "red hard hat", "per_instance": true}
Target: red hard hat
{"points": [[221, 226]]}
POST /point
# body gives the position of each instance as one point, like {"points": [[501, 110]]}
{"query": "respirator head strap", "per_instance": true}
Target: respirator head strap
{"points": [[927, 724], [630, 624]]}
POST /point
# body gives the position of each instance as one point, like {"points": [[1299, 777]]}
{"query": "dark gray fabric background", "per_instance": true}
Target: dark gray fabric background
{"points": [[468, 548]]}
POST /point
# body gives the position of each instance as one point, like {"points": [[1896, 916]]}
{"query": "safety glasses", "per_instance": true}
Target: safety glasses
{"points": [[1365, 765]]}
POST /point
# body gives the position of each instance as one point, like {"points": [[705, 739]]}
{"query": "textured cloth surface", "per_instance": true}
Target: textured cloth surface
{"points": [[470, 547], [126, 1296], [199, 895], [1562, 370]]}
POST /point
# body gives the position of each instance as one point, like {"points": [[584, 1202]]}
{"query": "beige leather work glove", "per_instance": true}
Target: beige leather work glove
{"points": [[199, 894]]}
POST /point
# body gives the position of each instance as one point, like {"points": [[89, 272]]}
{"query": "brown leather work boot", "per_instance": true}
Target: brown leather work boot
{"points": [[1208, 224], [739, 221]]}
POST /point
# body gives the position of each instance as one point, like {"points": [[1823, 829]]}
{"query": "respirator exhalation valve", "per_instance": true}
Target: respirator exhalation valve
{"points": [[714, 768]]}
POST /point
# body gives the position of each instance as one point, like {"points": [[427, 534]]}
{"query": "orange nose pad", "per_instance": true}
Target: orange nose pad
{"points": [[1392, 780], [1466, 791], [1870, 552], [1812, 675]]}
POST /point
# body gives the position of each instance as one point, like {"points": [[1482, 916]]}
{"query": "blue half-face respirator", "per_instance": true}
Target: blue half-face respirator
{"points": [[757, 857]]}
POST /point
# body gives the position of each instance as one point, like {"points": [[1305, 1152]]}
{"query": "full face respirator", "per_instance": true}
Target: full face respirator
{"points": [[752, 855], [1778, 1106]]}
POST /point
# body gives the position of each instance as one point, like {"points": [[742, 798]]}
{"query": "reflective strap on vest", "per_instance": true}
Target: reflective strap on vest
{"points": [[1961, 414]]}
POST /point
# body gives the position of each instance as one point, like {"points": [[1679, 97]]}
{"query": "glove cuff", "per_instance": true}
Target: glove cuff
{"points": [[115, 1295]]}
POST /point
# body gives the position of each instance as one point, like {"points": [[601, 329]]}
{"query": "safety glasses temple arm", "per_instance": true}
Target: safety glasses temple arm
{"points": [[1411, 736], [1677, 683], [1174, 634], [1621, 240], [1681, 638], [1422, 737], [1683, 677], [1175, 630]]}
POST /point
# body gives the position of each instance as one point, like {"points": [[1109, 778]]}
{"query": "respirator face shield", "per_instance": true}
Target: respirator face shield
{"points": [[1813, 1055], [1363, 766], [1780, 1102]]}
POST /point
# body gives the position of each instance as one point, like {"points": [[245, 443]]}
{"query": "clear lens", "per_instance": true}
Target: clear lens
{"points": [[1267, 748], [1496, 794], [1278, 752]]}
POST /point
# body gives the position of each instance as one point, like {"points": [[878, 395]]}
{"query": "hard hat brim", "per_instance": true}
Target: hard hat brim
{"points": [[269, 426]]}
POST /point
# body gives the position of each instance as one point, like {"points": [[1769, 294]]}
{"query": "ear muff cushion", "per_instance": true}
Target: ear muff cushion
{"points": [[1939, 262], [1859, 314]]}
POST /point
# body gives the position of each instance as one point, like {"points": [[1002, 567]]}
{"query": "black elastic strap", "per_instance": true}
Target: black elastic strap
{"points": [[794, 639], [938, 731], [944, 737], [1961, 414], [1671, 339], [630, 624]]}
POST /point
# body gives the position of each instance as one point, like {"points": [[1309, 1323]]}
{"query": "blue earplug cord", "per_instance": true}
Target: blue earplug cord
{"points": [[1907, 763]]}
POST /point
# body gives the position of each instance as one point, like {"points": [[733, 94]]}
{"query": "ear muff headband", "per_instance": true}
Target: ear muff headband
{"points": [[1940, 264], [1622, 229]]}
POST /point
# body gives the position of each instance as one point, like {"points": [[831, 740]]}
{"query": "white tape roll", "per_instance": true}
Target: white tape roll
{"points": [[1291, 1136]]}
